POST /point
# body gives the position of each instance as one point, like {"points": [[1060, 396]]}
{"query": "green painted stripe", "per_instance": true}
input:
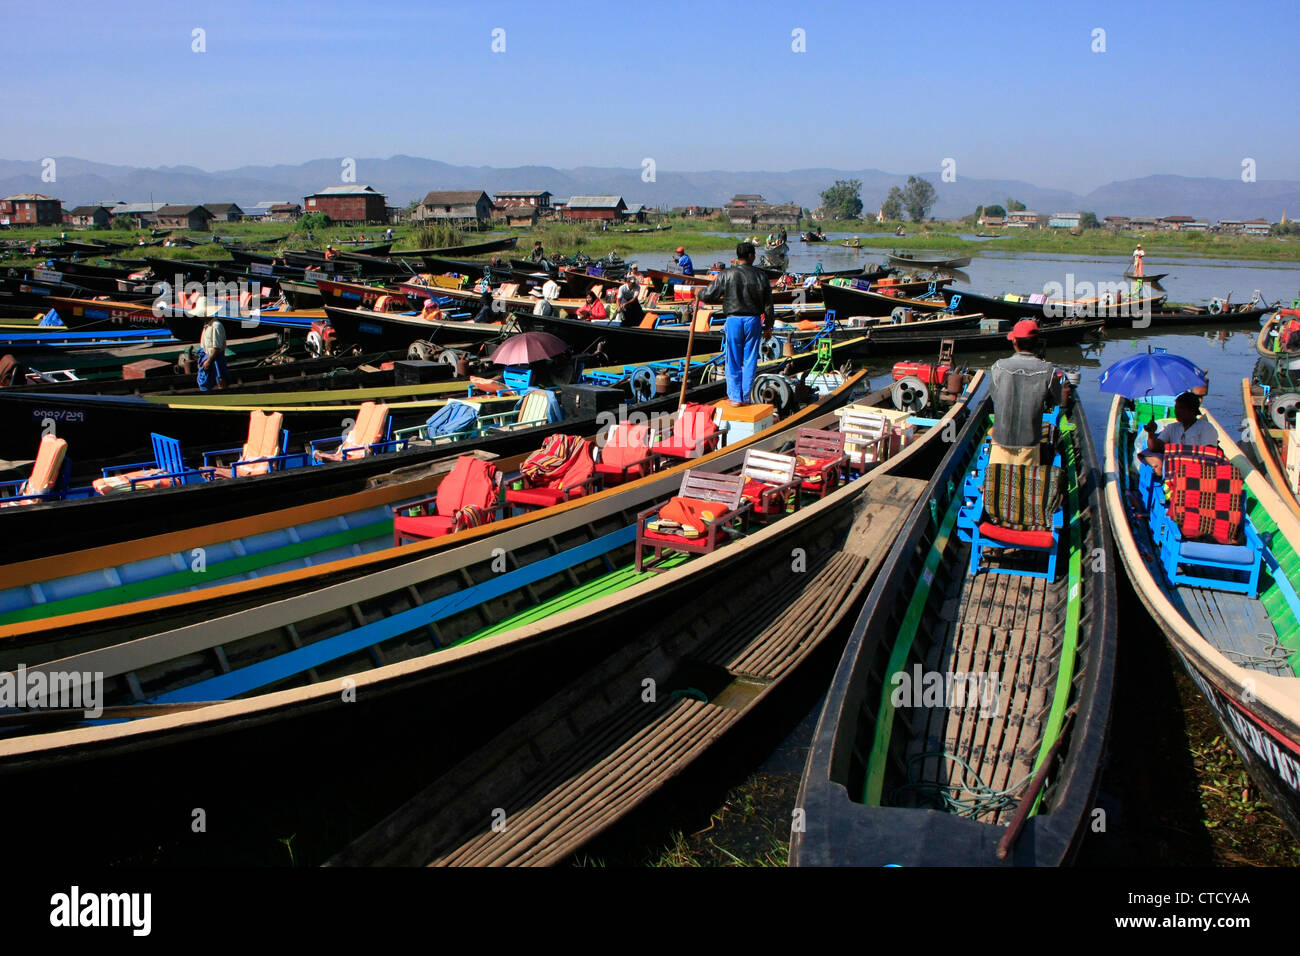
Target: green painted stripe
{"points": [[1073, 609], [877, 762], [109, 595], [599, 587]]}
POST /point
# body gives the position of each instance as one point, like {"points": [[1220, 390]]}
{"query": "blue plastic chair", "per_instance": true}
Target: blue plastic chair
{"points": [[168, 462]]}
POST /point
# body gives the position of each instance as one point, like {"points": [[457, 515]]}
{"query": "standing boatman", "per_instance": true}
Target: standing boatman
{"points": [[746, 297], [683, 262], [1023, 386], [212, 354]]}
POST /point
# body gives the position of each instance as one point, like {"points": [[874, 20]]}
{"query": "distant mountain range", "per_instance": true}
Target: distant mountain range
{"points": [[404, 178]]}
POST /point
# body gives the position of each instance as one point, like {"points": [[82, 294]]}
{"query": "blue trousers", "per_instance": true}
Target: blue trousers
{"points": [[744, 333], [214, 375]]}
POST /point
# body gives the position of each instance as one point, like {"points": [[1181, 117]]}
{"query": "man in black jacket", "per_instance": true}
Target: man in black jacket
{"points": [[746, 297]]}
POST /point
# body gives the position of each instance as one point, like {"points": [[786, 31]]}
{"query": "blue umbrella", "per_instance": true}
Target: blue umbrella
{"points": [[1151, 373]]}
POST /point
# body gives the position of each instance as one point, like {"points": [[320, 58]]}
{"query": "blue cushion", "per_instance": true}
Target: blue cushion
{"points": [[1223, 553]]}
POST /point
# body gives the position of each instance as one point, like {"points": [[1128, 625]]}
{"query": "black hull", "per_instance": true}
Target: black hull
{"points": [[840, 831], [375, 332], [1180, 317], [847, 303], [77, 524], [973, 340], [1270, 757]]}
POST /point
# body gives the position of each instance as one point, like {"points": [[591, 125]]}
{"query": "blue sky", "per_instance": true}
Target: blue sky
{"points": [[1009, 91]]}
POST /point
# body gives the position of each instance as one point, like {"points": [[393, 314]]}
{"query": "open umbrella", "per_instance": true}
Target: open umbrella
{"points": [[528, 347], [1151, 373]]}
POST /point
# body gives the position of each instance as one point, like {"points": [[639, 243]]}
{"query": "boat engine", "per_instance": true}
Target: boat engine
{"points": [[775, 390], [322, 339], [910, 394], [1282, 409]]}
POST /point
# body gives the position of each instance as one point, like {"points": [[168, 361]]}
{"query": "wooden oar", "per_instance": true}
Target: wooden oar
{"points": [[690, 348]]}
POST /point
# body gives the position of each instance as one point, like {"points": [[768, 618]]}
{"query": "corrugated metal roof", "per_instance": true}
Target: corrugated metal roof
{"points": [[181, 210], [453, 197], [28, 197], [523, 192], [137, 208], [594, 202], [347, 191]]}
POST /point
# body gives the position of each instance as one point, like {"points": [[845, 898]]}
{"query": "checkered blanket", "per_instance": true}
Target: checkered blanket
{"points": [[1206, 498]]}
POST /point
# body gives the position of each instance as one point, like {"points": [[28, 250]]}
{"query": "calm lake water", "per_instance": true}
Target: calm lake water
{"points": [[1228, 352]]}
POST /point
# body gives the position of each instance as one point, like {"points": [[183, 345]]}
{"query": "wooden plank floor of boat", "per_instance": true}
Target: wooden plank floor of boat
{"points": [[1238, 626], [625, 751], [980, 745]]}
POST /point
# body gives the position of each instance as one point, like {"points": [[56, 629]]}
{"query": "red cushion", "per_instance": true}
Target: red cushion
{"points": [[636, 471], [629, 443], [426, 526], [808, 468], [1018, 539], [537, 497], [470, 482]]}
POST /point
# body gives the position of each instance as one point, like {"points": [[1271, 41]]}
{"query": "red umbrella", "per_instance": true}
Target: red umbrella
{"points": [[528, 347]]}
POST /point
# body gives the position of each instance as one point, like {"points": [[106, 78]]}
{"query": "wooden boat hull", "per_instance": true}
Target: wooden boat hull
{"points": [[920, 337], [1126, 313], [848, 302], [1258, 710], [856, 792], [922, 262], [395, 332], [64, 526], [565, 789], [486, 684], [1267, 455]]}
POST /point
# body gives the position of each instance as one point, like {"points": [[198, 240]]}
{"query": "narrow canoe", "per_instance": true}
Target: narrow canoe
{"points": [[969, 713], [1240, 651]]}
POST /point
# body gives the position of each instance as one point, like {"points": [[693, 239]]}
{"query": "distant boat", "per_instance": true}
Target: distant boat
{"points": [[1156, 277], [927, 262]]}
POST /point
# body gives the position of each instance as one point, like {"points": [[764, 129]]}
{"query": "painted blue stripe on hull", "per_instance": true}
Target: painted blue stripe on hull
{"points": [[302, 659]]}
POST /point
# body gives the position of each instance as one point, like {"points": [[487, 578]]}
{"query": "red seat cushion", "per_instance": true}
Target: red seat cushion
{"points": [[1206, 499], [535, 497], [673, 539], [1016, 539], [636, 471], [426, 526], [753, 493], [812, 467]]}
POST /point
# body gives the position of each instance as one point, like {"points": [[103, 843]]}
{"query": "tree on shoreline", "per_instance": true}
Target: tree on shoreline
{"points": [[918, 197], [843, 200], [892, 207]]}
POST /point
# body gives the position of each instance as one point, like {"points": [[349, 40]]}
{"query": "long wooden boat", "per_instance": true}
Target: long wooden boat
{"points": [[250, 376], [1268, 347], [1126, 312], [64, 526], [927, 335], [907, 766], [394, 331], [1239, 649], [108, 359], [847, 301], [1271, 446], [1154, 278], [111, 429], [595, 751], [484, 248], [250, 563], [908, 261], [436, 639], [1191, 315]]}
